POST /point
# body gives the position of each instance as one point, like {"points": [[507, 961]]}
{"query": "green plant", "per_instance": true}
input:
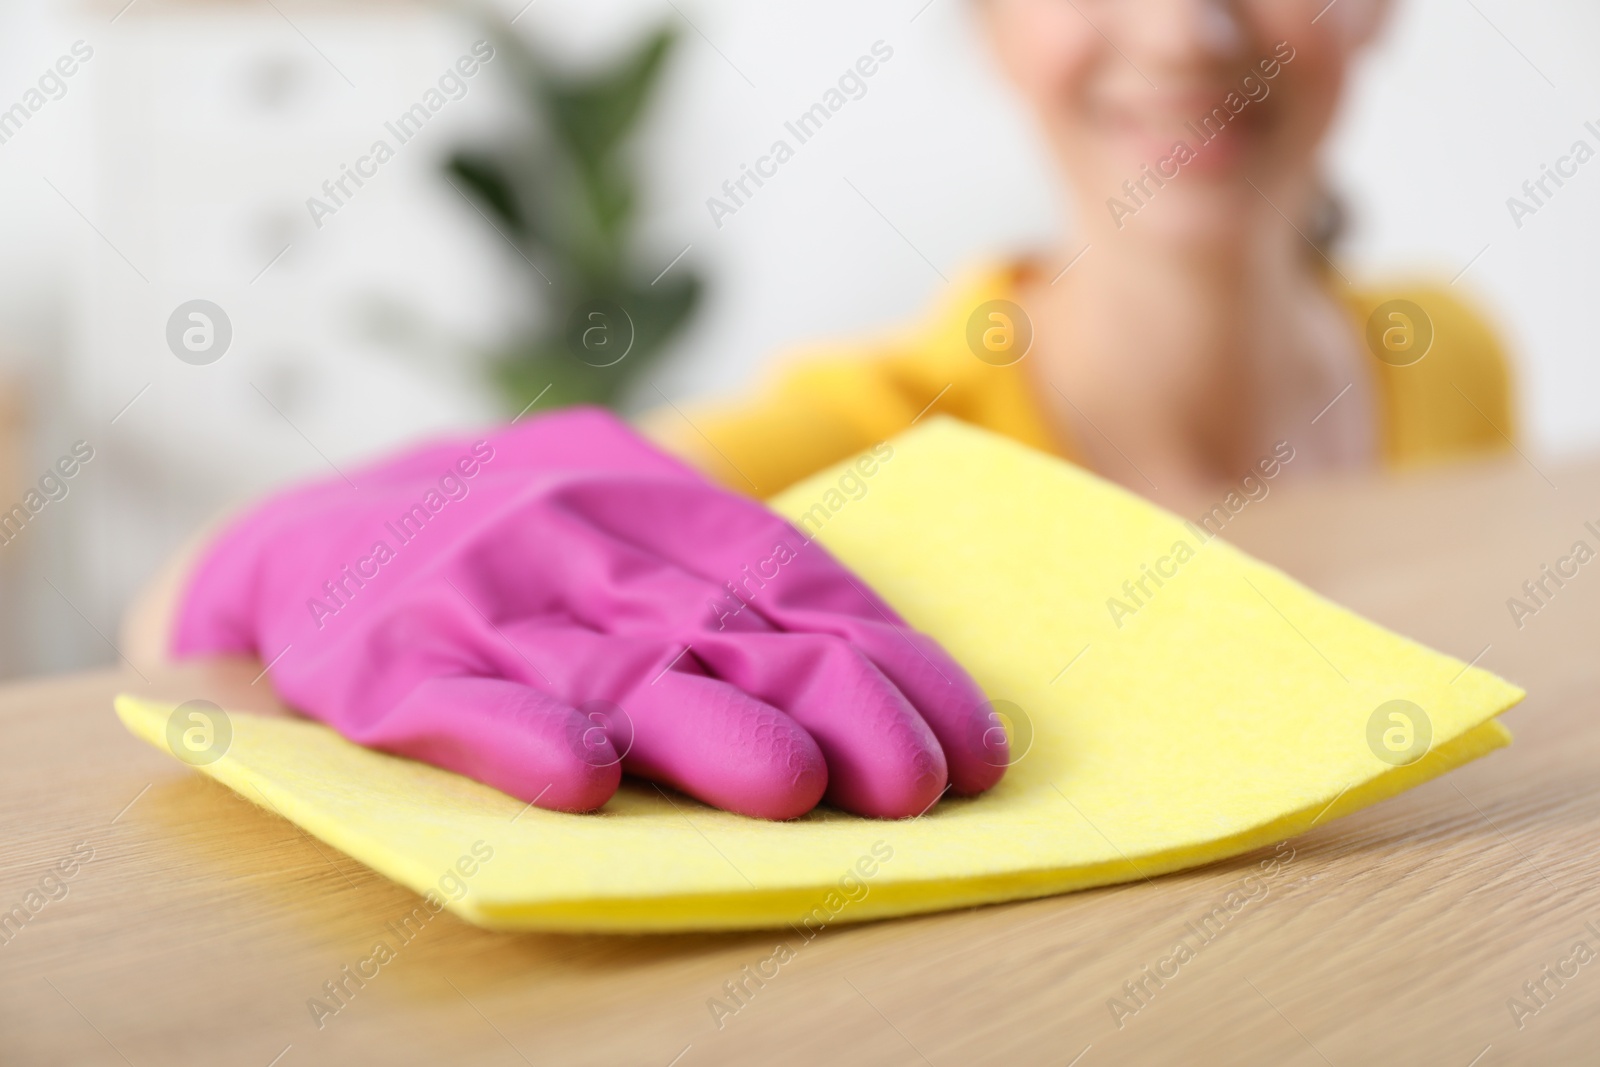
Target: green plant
{"points": [[562, 190]]}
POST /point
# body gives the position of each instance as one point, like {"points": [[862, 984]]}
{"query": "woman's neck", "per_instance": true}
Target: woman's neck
{"points": [[1174, 370]]}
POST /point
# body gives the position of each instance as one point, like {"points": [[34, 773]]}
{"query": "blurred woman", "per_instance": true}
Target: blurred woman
{"points": [[1196, 317]]}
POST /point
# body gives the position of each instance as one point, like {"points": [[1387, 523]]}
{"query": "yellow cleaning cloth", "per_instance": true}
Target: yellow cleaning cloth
{"points": [[1229, 709]]}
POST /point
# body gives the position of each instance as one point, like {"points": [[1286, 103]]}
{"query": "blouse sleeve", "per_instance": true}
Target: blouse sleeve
{"points": [[810, 415], [1457, 398]]}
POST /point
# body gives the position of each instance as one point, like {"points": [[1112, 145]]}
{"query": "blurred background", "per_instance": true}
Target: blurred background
{"points": [[176, 162]]}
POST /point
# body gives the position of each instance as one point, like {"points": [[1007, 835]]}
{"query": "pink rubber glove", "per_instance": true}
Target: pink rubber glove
{"points": [[548, 607]]}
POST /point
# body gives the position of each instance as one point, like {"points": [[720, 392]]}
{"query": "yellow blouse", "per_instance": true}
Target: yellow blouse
{"points": [[820, 409]]}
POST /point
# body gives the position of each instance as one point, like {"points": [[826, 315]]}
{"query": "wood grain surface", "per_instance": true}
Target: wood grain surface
{"points": [[202, 924]]}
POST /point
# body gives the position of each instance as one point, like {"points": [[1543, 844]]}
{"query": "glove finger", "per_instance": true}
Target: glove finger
{"points": [[671, 723], [949, 701], [883, 760], [813, 593], [509, 736]]}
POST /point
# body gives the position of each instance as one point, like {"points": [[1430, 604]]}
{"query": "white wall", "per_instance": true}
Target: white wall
{"points": [[1447, 121], [192, 138]]}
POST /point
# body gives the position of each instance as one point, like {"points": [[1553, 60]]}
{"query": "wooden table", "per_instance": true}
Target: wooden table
{"points": [[202, 924]]}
